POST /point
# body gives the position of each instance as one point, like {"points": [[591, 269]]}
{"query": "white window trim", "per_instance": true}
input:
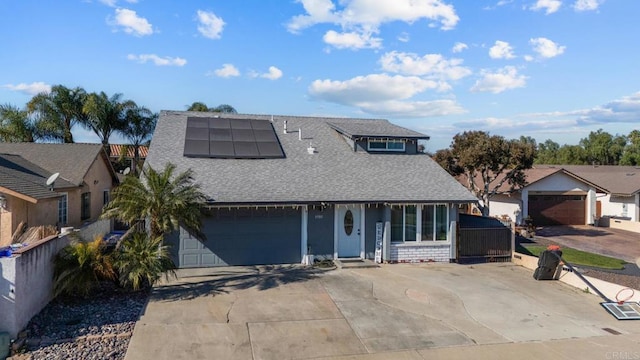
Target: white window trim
{"points": [[386, 142], [418, 239], [66, 215]]}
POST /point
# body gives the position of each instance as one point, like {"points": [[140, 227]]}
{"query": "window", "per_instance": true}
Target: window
{"points": [[435, 221], [105, 197], [85, 206], [403, 223], [385, 145], [419, 223], [62, 210]]}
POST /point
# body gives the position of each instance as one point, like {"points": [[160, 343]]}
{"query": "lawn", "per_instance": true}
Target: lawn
{"points": [[577, 257]]}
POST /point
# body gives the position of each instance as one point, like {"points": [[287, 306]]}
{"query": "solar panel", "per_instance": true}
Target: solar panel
{"points": [[231, 138]]}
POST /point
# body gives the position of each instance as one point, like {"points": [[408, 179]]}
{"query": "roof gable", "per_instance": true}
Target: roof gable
{"points": [[26, 180], [331, 173], [72, 161]]}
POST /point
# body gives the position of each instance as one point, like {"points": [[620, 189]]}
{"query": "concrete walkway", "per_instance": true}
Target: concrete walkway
{"points": [[429, 311]]}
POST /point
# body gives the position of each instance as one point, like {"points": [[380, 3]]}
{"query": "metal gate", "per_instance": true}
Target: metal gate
{"points": [[490, 242]]}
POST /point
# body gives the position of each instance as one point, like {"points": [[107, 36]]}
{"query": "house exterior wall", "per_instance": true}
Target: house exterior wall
{"points": [[320, 232], [97, 179], [560, 183], [619, 206], [506, 205], [44, 212]]}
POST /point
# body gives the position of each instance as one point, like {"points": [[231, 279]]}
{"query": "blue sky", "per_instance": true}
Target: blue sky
{"points": [[550, 69]]}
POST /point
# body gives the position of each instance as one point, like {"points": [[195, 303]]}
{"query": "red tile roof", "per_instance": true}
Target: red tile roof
{"points": [[117, 149]]}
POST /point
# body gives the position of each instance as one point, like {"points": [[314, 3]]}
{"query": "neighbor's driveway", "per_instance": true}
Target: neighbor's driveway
{"points": [[617, 243], [415, 311]]}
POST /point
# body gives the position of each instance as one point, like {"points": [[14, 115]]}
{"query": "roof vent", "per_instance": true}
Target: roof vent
{"points": [[285, 126], [311, 149], [630, 174]]}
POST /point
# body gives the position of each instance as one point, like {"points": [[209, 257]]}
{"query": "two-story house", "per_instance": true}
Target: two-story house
{"points": [[281, 187]]}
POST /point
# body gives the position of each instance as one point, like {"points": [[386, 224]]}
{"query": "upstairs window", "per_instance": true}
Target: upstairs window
{"points": [[385, 145]]}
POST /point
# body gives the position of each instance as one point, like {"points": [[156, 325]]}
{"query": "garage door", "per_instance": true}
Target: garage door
{"points": [[557, 209], [244, 237]]}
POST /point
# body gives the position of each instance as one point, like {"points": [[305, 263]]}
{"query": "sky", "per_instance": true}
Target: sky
{"points": [[549, 69]]}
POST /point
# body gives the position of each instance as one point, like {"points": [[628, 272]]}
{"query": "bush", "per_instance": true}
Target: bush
{"points": [[142, 260], [80, 266]]}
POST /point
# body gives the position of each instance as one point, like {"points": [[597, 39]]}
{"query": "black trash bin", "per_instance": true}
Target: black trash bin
{"points": [[547, 265]]}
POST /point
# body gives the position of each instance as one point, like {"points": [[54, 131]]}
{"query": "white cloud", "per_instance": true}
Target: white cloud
{"points": [[586, 5], [131, 22], [351, 40], [226, 71], [111, 3], [430, 65], [273, 74], [34, 88], [496, 82], [459, 47], [501, 50], [210, 25], [370, 88], [546, 48], [404, 37], [625, 110], [365, 16], [549, 6], [157, 60], [396, 108]]}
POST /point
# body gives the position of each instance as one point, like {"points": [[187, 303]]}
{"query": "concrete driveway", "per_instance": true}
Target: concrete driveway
{"points": [[397, 311], [617, 243]]}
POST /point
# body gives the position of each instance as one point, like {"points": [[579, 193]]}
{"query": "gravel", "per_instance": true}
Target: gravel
{"points": [[98, 327]]}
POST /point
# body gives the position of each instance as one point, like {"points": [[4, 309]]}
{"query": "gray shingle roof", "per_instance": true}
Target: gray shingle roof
{"points": [[24, 177], [373, 128], [72, 161], [335, 173]]}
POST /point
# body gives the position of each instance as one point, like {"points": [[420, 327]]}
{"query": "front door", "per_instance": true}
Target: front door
{"points": [[348, 231]]}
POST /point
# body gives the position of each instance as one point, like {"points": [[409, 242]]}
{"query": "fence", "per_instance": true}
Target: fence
{"points": [[484, 239]]}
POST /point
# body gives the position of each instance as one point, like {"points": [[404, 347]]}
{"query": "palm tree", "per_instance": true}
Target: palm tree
{"points": [[167, 201], [222, 108], [139, 125], [58, 111], [16, 125], [105, 115]]}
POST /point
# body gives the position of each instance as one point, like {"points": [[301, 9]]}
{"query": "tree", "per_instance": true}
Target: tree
{"points": [[167, 201], [603, 148], [202, 107], [547, 152], [16, 125], [58, 111], [140, 123], [487, 163], [141, 261], [105, 115], [631, 154]]}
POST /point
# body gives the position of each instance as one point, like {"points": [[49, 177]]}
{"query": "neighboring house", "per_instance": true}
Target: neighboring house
{"points": [[281, 187], [77, 195], [122, 155], [573, 195]]}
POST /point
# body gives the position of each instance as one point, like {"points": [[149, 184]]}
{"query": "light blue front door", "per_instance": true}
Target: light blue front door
{"points": [[348, 224]]}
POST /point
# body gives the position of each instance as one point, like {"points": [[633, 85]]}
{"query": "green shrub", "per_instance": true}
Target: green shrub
{"points": [[142, 260], [80, 266]]}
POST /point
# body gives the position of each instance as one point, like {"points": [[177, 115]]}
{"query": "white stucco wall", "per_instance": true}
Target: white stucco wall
{"points": [[619, 206], [506, 205], [26, 283]]}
